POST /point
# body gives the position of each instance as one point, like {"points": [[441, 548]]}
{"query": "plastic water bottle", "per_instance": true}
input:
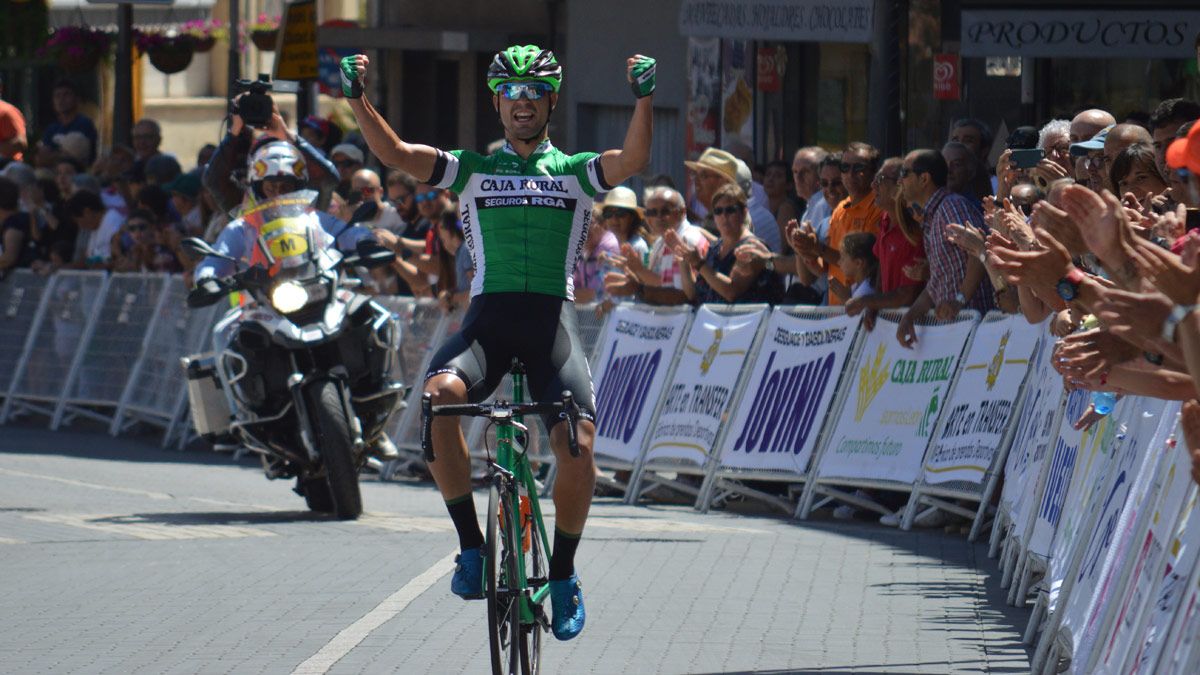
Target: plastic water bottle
{"points": [[1103, 401]]}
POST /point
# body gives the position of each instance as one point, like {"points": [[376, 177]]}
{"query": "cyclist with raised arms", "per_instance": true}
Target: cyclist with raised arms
{"points": [[526, 210]]}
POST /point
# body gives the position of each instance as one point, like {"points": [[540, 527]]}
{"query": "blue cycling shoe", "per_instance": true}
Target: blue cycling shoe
{"points": [[566, 597], [467, 582]]}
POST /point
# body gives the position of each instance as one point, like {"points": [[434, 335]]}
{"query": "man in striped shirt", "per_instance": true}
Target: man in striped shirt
{"points": [[956, 280]]}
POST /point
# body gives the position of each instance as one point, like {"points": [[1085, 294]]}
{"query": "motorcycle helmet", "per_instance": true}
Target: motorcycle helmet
{"points": [[276, 159], [526, 63]]}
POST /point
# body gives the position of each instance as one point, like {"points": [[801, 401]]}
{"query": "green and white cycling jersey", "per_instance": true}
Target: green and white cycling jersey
{"points": [[524, 220]]}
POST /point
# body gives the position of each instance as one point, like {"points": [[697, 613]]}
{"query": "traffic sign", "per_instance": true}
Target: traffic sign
{"points": [[296, 58]]}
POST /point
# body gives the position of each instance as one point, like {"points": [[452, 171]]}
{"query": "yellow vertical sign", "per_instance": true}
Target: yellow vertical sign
{"points": [[297, 55]]}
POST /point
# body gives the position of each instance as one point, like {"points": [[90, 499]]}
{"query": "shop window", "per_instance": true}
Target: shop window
{"points": [[1118, 85], [842, 91]]}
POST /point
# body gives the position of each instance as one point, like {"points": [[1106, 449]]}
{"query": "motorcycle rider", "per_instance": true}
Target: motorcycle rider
{"points": [[276, 168]]}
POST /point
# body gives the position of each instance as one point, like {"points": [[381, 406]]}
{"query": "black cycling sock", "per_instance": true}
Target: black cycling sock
{"points": [[562, 560], [462, 512]]}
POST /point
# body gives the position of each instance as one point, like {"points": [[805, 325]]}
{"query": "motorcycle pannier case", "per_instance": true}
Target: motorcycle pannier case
{"points": [[210, 409]]}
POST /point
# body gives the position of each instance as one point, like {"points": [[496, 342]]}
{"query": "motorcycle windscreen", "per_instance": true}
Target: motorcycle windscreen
{"points": [[288, 234]]}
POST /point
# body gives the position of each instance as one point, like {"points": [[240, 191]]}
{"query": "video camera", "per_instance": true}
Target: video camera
{"points": [[256, 106]]}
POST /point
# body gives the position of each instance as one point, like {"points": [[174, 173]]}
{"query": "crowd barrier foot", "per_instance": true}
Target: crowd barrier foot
{"points": [[1033, 627], [649, 481], [727, 488]]}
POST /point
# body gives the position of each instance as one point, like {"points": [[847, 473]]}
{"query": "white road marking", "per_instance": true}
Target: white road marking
{"points": [[350, 636], [92, 486], [398, 522], [132, 526], [6, 540], [240, 505], [646, 525]]}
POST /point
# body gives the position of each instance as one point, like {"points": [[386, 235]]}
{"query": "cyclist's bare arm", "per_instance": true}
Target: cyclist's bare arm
{"points": [[412, 158], [634, 155]]}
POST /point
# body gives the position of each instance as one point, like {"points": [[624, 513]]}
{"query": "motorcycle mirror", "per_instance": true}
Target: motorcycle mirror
{"points": [[198, 248]]}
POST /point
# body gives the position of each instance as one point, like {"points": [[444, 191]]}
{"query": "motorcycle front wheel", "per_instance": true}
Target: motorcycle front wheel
{"points": [[334, 443]]}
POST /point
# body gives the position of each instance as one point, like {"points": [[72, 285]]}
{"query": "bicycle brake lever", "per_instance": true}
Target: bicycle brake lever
{"points": [[568, 413]]}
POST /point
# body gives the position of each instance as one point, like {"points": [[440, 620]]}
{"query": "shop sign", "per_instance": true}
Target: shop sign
{"points": [[772, 62], [781, 20], [1080, 33], [946, 69]]}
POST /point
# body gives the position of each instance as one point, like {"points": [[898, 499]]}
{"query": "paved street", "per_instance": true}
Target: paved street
{"points": [[118, 557]]}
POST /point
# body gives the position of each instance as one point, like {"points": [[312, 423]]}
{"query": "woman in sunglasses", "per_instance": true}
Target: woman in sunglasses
{"points": [[720, 276], [526, 211]]}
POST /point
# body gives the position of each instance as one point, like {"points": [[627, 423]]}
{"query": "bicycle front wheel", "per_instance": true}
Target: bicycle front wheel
{"points": [[500, 568]]}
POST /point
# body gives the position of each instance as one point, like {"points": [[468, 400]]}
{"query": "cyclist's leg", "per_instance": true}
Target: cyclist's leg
{"points": [[566, 369], [459, 372]]}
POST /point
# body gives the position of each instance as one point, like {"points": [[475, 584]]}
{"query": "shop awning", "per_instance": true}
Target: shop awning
{"points": [[784, 20], [1080, 34]]}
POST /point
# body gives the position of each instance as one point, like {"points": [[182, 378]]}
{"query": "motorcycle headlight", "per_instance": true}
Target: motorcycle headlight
{"points": [[288, 297]]}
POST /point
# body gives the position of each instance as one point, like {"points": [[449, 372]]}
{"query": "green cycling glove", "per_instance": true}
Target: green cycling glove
{"points": [[643, 77], [351, 83]]}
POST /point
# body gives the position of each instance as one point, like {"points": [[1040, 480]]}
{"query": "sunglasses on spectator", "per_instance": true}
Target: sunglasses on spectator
{"points": [[727, 210], [664, 212], [857, 167], [403, 196], [905, 172], [1094, 162], [425, 197], [343, 163], [614, 212], [826, 183], [1183, 174], [530, 90], [137, 226], [881, 177]]}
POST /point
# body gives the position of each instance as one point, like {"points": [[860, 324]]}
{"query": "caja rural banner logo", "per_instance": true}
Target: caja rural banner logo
{"points": [[871, 378]]}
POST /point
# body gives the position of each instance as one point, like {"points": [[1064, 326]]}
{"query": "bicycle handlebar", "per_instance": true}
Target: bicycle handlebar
{"points": [[499, 412]]}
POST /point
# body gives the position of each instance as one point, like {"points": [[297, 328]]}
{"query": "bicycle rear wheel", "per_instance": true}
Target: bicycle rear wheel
{"points": [[500, 565]]}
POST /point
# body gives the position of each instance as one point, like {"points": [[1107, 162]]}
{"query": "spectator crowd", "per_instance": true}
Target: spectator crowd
{"points": [[1088, 222]]}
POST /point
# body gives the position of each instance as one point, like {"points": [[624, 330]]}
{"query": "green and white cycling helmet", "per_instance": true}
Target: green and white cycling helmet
{"points": [[526, 63]]}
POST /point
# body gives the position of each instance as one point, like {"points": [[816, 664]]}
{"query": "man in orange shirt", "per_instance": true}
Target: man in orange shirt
{"points": [[856, 213], [12, 131]]}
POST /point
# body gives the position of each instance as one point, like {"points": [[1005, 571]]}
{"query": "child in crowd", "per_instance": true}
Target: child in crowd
{"points": [[859, 263]]}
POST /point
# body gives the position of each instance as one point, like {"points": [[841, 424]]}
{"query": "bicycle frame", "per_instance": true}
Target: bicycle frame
{"points": [[513, 465]]}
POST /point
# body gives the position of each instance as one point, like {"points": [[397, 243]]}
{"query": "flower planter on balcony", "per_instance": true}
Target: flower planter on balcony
{"points": [[264, 39]]}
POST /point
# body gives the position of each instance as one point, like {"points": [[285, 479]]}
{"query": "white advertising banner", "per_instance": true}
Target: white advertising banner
{"points": [[636, 353], [1110, 541], [1150, 547], [791, 388], [1036, 431], [895, 397], [701, 391], [1109, 439], [1058, 479], [1172, 588], [985, 396]]}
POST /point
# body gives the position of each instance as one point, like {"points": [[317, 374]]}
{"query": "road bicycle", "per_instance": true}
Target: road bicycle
{"points": [[516, 546]]}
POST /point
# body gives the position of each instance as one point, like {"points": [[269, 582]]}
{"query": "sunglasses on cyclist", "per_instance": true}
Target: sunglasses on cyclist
{"points": [[727, 210], [425, 197], [530, 90]]}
